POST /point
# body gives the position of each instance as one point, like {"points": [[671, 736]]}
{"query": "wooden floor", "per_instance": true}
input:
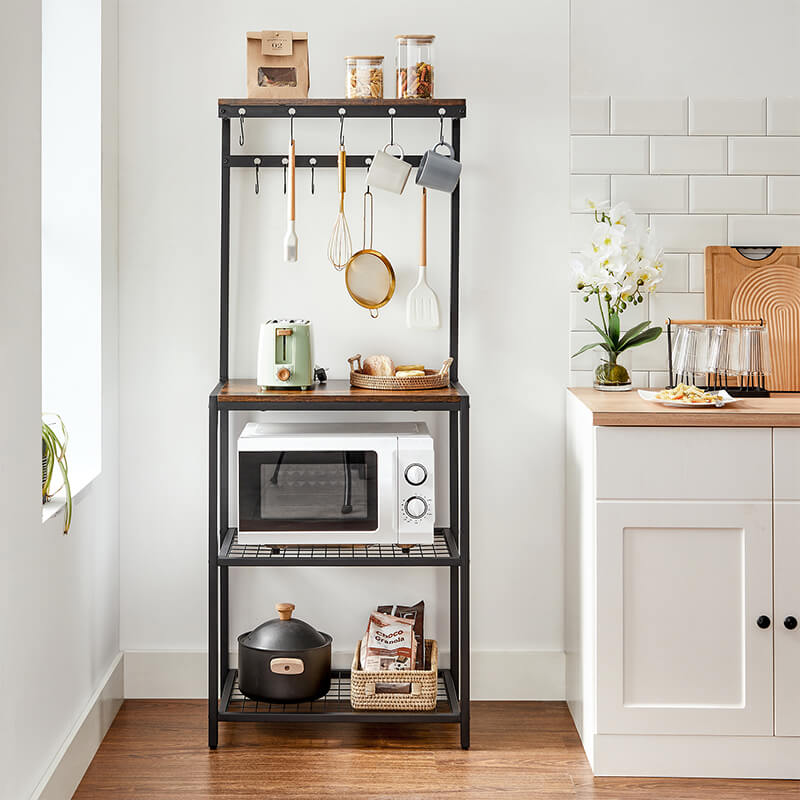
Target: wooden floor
{"points": [[156, 749]]}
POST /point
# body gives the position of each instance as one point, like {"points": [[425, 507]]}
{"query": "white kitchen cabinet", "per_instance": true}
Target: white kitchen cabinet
{"points": [[682, 557], [680, 587], [787, 619]]}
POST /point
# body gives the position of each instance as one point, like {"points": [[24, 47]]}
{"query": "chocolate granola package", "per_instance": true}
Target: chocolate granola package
{"points": [[416, 613], [388, 646]]}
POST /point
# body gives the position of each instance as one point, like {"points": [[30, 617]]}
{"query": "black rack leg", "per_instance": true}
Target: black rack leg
{"points": [[224, 499], [463, 540], [454, 601], [213, 588]]}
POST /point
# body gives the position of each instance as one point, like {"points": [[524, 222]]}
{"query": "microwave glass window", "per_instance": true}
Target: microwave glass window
{"points": [[308, 490]]}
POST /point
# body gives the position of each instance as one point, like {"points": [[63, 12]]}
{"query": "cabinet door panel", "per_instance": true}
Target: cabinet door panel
{"points": [[680, 587], [787, 463], [787, 604]]}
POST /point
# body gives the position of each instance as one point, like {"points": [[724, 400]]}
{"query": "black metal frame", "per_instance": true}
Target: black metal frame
{"points": [[451, 545]]}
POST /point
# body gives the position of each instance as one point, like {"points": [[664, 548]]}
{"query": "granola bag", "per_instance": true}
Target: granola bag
{"points": [[416, 614], [277, 64], [389, 644]]}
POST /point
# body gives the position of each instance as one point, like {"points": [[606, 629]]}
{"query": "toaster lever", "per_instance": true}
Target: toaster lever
{"points": [[283, 332]]}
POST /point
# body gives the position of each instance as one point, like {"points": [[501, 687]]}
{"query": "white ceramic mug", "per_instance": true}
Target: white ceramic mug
{"points": [[389, 172]]}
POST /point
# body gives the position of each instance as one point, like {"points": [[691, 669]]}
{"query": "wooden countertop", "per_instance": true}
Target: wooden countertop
{"points": [[628, 409]]}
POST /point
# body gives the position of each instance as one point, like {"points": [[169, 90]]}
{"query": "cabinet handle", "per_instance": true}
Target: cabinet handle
{"points": [[763, 622], [790, 623]]}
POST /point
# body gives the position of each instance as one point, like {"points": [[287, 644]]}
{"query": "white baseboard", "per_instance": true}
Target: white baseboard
{"points": [[73, 758], [496, 674]]}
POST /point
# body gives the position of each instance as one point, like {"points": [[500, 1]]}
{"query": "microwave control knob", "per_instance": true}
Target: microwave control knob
{"points": [[416, 474], [416, 507], [283, 374]]}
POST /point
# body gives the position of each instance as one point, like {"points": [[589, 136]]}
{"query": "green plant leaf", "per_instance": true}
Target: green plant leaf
{"points": [[608, 343], [613, 328], [589, 347], [650, 335], [633, 332]]}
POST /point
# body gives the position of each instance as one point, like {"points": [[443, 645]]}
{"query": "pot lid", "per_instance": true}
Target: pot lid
{"points": [[285, 633]]}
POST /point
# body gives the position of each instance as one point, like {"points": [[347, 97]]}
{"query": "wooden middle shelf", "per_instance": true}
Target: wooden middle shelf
{"points": [[242, 391]]}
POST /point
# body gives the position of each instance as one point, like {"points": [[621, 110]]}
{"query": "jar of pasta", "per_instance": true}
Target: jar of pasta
{"points": [[415, 65], [364, 76]]}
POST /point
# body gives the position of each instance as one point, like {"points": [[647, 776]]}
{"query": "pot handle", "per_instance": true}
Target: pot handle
{"points": [[284, 610], [287, 666]]}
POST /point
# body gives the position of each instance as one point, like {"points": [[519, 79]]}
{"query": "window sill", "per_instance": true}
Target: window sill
{"points": [[80, 490]]}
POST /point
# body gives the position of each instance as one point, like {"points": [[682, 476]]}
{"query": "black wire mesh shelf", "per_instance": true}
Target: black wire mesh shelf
{"points": [[443, 552], [334, 706]]}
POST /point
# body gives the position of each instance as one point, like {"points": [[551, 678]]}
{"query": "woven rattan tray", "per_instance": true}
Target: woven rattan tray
{"points": [[423, 685], [432, 379]]}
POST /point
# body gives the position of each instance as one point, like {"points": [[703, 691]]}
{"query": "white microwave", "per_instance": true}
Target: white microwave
{"points": [[335, 483]]}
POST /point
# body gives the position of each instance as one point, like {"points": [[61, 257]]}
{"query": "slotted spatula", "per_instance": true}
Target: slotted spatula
{"points": [[422, 305]]}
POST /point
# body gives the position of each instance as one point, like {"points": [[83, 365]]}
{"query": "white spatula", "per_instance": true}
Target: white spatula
{"points": [[422, 305]]}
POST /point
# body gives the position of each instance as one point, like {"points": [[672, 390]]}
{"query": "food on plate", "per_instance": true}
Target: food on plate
{"points": [[691, 395], [381, 366]]}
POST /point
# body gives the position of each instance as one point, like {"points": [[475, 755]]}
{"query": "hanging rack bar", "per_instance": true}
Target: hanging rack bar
{"points": [[357, 161], [319, 108]]}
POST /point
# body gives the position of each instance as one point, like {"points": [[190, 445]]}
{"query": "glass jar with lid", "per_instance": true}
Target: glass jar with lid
{"points": [[415, 65], [364, 76]]}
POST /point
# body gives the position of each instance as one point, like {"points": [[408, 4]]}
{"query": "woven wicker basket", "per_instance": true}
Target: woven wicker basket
{"points": [[423, 685], [432, 379]]}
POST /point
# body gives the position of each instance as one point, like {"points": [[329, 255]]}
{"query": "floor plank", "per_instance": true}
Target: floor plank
{"points": [[155, 750]]}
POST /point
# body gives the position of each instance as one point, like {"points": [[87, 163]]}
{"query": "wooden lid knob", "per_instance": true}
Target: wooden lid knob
{"points": [[283, 374], [284, 610]]}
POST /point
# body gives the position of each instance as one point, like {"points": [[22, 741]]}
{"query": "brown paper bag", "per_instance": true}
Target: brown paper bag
{"points": [[277, 64]]}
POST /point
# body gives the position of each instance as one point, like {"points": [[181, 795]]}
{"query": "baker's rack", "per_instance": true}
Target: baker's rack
{"points": [[450, 548]]}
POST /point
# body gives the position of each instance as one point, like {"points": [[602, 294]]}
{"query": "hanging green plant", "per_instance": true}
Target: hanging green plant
{"points": [[54, 451]]}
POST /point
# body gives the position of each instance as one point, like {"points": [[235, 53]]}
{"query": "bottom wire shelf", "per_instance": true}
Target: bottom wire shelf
{"points": [[334, 706]]}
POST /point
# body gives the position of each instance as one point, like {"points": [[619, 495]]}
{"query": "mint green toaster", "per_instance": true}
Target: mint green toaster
{"points": [[285, 354]]}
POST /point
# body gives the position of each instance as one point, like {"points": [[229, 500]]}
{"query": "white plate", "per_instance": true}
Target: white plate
{"points": [[652, 397]]}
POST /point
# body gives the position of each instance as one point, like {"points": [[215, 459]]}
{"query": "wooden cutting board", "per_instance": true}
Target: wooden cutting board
{"points": [[738, 287]]}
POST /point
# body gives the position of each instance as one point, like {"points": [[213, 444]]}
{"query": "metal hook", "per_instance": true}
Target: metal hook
{"points": [[291, 124], [342, 112], [242, 112], [257, 161], [312, 161], [285, 162], [392, 112], [442, 112]]}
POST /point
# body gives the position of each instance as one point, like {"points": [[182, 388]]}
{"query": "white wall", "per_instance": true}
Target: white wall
{"points": [[682, 47], [60, 610], [176, 59]]}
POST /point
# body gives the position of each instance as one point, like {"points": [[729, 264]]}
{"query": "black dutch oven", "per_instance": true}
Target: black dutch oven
{"points": [[284, 660]]}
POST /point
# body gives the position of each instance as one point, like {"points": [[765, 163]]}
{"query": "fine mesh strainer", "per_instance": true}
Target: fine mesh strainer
{"points": [[369, 276]]}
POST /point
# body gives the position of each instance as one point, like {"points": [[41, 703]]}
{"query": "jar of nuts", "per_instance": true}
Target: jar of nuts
{"points": [[415, 65], [364, 76]]}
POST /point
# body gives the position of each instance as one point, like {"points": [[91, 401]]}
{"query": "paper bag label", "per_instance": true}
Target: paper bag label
{"points": [[276, 43]]}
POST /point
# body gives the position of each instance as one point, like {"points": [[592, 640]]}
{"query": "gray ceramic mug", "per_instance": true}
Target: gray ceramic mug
{"points": [[438, 171]]}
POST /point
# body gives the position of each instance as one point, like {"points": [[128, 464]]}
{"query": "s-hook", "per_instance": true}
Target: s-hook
{"points": [[257, 162], [285, 162], [392, 112], [312, 163], [342, 112], [242, 112], [442, 112]]}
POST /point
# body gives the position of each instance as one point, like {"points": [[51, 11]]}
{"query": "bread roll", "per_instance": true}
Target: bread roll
{"points": [[409, 373], [381, 366]]}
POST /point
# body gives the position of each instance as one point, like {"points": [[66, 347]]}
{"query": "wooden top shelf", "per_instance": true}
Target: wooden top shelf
{"points": [[329, 107], [628, 409], [244, 391]]}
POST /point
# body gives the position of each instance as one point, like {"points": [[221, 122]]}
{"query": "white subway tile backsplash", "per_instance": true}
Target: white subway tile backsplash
{"points": [[658, 380], [761, 231], [589, 114], [675, 275], [764, 155], [581, 227], [727, 194], [677, 305], [582, 378], [689, 233], [587, 187], [783, 116], [580, 311], [651, 193], [649, 115], [784, 194], [651, 356], [624, 155], [682, 155], [697, 272], [727, 115]]}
